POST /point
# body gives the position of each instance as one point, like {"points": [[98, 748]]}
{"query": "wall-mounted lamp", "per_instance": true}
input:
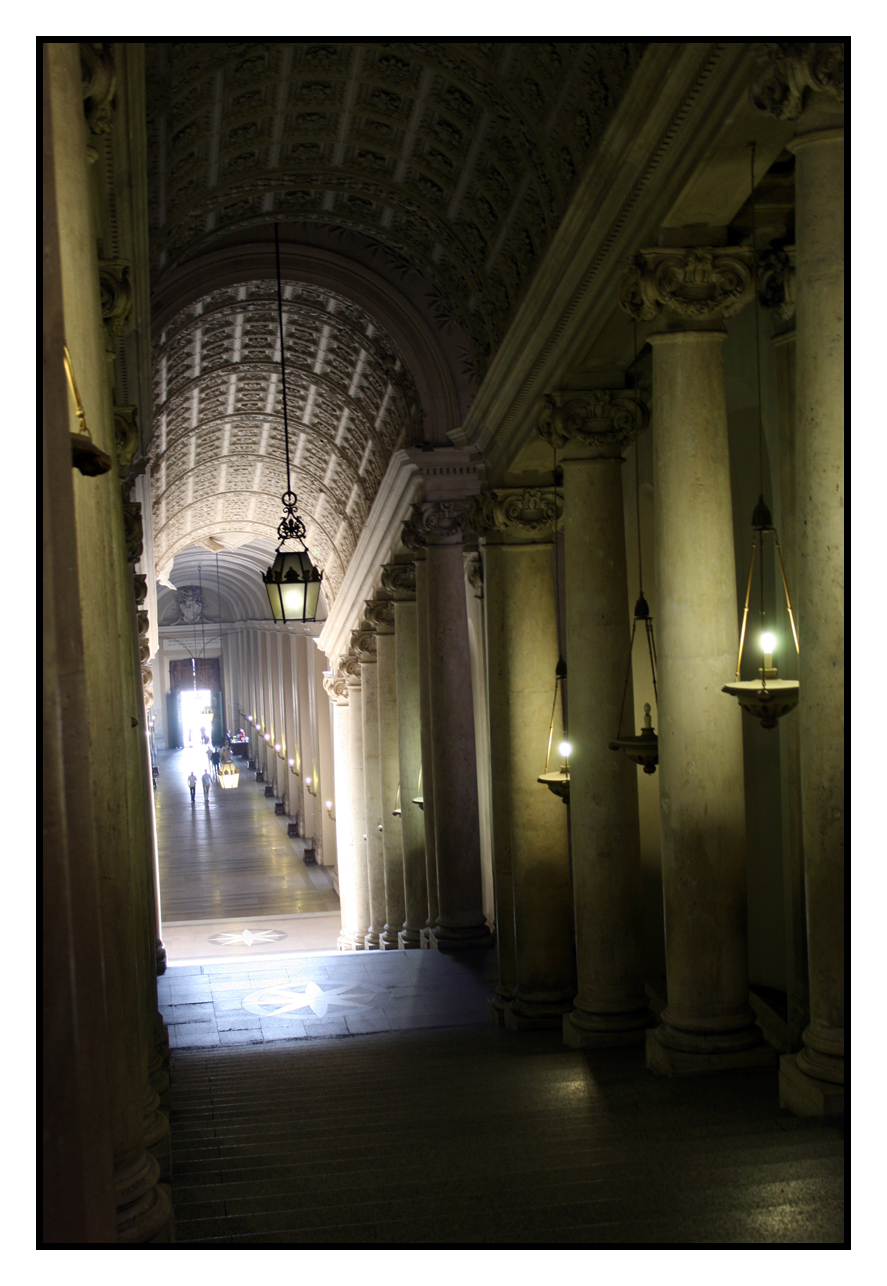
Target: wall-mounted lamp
{"points": [[559, 782], [309, 786], [419, 797], [328, 805], [291, 762], [267, 736], [397, 812]]}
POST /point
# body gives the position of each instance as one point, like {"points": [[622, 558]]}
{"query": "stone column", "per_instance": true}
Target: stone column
{"points": [[307, 739], [590, 429], [460, 920], [353, 937], [364, 643], [708, 1024], [336, 689], [399, 579], [414, 539], [806, 83], [381, 616], [531, 854], [112, 684]]}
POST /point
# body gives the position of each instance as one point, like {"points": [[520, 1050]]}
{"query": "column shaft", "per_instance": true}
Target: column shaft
{"points": [[708, 1022], [354, 938], [456, 826], [426, 740], [389, 767], [409, 723], [611, 1005], [534, 915], [372, 786], [819, 188]]}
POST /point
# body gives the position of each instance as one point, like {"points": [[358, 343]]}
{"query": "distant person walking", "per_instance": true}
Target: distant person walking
{"points": [[207, 782], [216, 760], [192, 785]]}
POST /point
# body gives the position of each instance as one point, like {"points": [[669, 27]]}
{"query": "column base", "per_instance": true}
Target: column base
{"points": [[441, 938], [425, 939], [409, 940], [371, 942], [350, 942], [583, 1030], [804, 1095], [160, 956], [388, 940], [496, 1011], [678, 1062], [522, 1015], [144, 1210]]}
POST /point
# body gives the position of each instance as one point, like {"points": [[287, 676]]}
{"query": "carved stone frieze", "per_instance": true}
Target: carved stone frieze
{"points": [[116, 292], [364, 644], [445, 522], [532, 511], [126, 438], [399, 580], [474, 573], [699, 284], [132, 530], [602, 418], [791, 69], [99, 75], [140, 584], [776, 281], [379, 615]]}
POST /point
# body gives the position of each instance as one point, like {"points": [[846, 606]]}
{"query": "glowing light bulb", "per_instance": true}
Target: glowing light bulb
{"points": [[307, 781], [267, 736], [290, 762], [277, 745], [327, 803], [768, 643], [565, 749]]}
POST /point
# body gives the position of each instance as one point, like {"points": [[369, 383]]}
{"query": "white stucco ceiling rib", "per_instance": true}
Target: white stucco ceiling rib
{"points": [[218, 451]]}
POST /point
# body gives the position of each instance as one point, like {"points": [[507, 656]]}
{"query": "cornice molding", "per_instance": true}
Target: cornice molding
{"points": [[681, 94]]}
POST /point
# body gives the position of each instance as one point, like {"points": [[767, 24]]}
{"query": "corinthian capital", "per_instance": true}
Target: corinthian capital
{"points": [[445, 522], [364, 644], [413, 535], [116, 290], [530, 511], [602, 418], [336, 688], [399, 579], [700, 284], [776, 281], [379, 615], [350, 667], [99, 76], [790, 69]]}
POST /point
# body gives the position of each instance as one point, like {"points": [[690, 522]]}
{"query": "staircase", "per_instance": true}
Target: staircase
{"points": [[469, 1136]]}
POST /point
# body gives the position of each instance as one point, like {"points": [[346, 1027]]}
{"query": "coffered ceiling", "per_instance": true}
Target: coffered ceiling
{"points": [[218, 459], [458, 157]]}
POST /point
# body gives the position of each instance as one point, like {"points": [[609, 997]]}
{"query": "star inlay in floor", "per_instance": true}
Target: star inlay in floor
{"points": [[248, 938]]}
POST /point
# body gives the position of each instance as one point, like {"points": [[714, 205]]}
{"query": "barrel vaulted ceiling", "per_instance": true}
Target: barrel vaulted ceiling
{"points": [[456, 161], [218, 459]]}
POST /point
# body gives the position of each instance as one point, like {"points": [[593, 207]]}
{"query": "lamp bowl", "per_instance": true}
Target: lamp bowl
{"points": [[642, 749], [558, 783], [767, 702]]}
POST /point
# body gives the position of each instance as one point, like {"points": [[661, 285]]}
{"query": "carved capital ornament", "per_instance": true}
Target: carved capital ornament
{"points": [[700, 284], [776, 281], [399, 580], [791, 69], [379, 616], [336, 687], [601, 418], [531, 510], [445, 522], [350, 667]]}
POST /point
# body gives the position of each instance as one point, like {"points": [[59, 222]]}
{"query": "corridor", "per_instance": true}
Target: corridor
{"points": [[228, 867]]}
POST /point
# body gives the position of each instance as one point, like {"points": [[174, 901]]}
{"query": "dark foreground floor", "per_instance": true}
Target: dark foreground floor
{"points": [[471, 1135]]}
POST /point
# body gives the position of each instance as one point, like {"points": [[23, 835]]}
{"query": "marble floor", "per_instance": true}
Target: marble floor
{"points": [[342, 994], [232, 882]]}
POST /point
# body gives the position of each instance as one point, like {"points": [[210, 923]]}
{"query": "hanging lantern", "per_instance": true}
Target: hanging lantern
{"points": [[207, 713], [558, 782], [642, 749], [292, 581], [768, 697]]}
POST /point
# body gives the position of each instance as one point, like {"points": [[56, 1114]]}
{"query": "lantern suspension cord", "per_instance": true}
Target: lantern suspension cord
{"points": [[286, 435], [561, 667]]}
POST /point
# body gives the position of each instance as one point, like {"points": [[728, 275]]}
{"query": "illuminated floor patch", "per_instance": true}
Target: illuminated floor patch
{"points": [[277, 1001], [229, 939]]}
